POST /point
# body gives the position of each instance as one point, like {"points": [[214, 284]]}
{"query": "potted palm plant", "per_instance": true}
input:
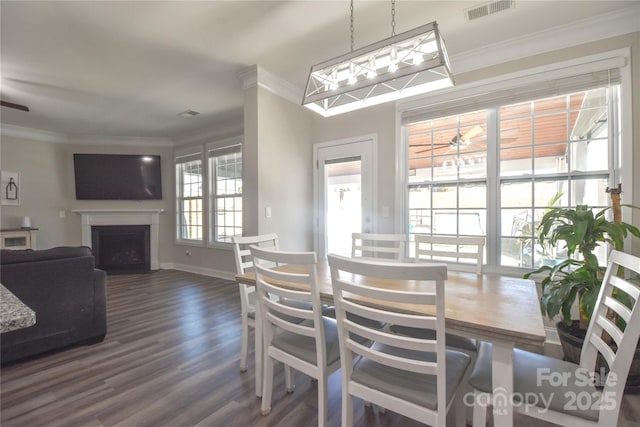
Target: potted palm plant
{"points": [[579, 277]]}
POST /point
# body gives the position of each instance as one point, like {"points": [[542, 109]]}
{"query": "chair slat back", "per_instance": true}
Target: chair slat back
{"points": [[456, 251], [243, 254], [276, 289], [607, 337], [384, 246], [359, 283]]}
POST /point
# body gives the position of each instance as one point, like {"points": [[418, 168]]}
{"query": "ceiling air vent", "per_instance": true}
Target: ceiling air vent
{"points": [[188, 113], [489, 8]]}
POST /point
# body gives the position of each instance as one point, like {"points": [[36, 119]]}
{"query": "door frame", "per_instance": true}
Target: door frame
{"points": [[368, 138]]}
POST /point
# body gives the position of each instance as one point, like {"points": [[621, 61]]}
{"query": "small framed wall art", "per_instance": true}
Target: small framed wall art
{"points": [[10, 192]]}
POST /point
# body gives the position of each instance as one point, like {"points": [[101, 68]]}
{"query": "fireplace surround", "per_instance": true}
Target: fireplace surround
{"points": [[98, 217]]}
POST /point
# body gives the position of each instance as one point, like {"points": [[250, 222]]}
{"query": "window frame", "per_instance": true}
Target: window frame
{"points": [[226, 146], [182, 157], [201, 152], [462, 99]]}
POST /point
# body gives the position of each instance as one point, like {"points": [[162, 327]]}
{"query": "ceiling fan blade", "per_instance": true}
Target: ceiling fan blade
{"points": [[12, 105], [458, 140], [473, 132], [430, 145], [435, 147]]}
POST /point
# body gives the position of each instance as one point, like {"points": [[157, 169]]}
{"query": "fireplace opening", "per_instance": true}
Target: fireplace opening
{"points": [[122, 248]]}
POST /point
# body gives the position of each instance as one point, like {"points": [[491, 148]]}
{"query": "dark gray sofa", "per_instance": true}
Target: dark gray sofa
{"points": [[67, 294]]}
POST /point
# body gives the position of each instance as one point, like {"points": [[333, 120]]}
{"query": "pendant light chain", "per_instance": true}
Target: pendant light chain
{"points": [[393, 18], [352, 42]]}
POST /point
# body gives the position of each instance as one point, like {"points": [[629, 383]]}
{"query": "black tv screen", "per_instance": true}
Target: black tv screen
{"points": [[117, 177]]}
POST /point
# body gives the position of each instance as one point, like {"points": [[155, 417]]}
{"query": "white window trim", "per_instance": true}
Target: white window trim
{"points": [[619, 58], [222, 143], [191, 151]]}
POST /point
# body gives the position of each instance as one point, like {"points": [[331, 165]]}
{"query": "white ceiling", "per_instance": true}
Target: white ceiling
{"points": [[126, 69]]}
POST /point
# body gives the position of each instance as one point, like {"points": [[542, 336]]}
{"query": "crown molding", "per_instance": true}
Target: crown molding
{"points": [[61, 138], [249, 76], [229, 129], [33, 134], [589, 30], [129, 141], [257, 75]]}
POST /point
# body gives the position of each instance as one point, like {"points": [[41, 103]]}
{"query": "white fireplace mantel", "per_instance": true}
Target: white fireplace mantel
{"points": [[149, 217]]}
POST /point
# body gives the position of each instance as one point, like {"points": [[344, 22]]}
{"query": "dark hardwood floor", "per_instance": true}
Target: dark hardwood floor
{"points": [[170, 358]]}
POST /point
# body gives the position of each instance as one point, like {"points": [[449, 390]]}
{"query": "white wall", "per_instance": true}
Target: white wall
{"points": [[285, 174], [44, 190]]}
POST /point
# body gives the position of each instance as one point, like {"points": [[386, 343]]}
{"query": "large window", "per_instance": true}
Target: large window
{"points": [[209, 193], [225, 193], [553, 152], [495, 171], [189, 195], [448, 175]]}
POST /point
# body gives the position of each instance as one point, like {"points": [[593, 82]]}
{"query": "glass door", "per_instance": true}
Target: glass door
{"points": [[344, 197]]}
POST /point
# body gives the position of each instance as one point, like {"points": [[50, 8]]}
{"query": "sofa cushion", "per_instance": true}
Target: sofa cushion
{"points": [[9, 256], [67, 294]]}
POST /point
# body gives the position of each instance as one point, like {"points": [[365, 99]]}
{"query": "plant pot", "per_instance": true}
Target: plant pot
{"points": [[572, 338]]}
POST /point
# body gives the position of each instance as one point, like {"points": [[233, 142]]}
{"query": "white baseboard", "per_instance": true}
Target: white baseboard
{"points": [[198, 270]]}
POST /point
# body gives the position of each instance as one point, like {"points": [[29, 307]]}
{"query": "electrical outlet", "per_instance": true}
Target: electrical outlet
{"points": [[63, 214]]}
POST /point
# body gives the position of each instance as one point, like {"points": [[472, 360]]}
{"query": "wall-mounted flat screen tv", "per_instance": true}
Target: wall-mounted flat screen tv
{"points": [[117, 177]]}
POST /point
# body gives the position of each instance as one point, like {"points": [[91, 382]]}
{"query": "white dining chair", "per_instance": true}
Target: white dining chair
{"points": [[449, 250], [309, 346], [572, 394], [415, 377], [244, 263], [460, 253], [384, 246]]}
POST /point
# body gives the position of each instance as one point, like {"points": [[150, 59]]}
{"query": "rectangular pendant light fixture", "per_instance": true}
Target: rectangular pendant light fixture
{"points": [[400, 66]]}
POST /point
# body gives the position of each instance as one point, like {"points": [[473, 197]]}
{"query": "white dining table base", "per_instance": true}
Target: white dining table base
{"points": [[502, 378]]}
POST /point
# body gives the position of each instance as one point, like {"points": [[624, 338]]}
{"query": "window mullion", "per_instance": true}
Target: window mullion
{"points": [[614, 134], [493, 186], [213, 200]]}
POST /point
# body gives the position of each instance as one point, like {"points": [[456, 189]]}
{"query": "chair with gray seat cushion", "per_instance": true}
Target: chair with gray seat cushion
{"points": [[572, 394], [310, 346], [244, 263], [415, 377]]}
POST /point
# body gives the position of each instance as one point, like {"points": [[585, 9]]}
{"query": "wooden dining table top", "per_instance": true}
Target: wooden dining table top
{"points": [[487, 307]]}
